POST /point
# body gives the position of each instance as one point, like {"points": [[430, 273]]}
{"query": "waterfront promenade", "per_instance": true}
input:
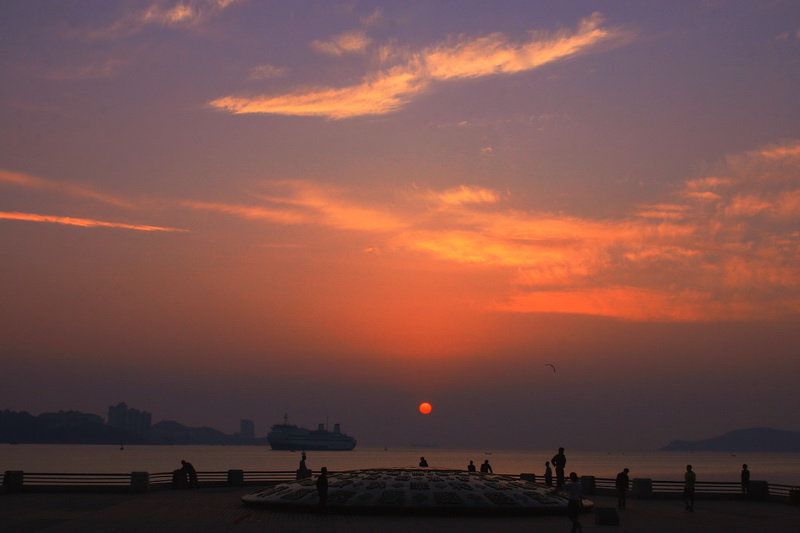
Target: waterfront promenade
{"points": [[220, 510]]}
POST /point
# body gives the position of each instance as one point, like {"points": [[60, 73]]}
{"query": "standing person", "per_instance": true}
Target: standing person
{"points": [[423, 462], [559, 461], [471, 467], [548, 474], [191, 473], [745, 480], [622, 488], [322, 487], [688, 488], [486, 467], [575, 494]]}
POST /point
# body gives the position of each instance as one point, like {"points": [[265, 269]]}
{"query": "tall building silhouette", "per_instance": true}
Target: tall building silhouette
{"points": [[132, 420], [247, 429]]}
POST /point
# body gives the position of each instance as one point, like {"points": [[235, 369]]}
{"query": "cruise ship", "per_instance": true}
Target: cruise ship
{"points": [[289, 437]]}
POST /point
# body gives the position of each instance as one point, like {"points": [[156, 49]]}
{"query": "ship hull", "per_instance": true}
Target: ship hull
{"points": [[289, 437], [313, 446]]}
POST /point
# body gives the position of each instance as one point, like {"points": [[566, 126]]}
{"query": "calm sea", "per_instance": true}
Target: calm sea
{"points": [[777, 468]]}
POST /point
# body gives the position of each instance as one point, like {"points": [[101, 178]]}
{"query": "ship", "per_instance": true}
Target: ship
{"points": [[290, 437]]}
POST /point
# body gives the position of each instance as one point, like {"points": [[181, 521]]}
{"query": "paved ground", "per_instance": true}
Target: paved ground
{"points": [[218, 510]]}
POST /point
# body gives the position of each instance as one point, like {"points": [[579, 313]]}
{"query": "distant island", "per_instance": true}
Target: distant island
{"points": [[757, 440]]}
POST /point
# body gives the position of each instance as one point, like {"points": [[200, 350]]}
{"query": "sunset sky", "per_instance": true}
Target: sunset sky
{"points": [[226, 209]]}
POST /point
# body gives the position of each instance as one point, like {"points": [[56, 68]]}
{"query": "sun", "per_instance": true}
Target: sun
{"points": [[425, 408]]}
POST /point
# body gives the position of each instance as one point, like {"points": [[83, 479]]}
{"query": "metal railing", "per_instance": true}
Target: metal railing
{"points": [[19, 481], [703, 489], [76, 480]]}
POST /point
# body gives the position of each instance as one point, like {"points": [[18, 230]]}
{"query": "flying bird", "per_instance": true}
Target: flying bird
{"points": [[551, 366]]}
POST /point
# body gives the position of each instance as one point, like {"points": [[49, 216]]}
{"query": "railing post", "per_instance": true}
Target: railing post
{"points": [[758, 490], [588, 484], [235, 478], [140, 481], [13, 480], [642, 488]]}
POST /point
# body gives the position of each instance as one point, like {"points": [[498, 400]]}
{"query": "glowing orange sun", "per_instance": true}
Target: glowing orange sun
{"points": [[425, 408]]}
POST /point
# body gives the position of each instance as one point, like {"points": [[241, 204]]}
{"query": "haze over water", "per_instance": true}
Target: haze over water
{"points": [[217, 210]]}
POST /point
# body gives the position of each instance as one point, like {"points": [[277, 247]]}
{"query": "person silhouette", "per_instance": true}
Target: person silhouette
{"points": [[322, 487], [689, 479], [559, 461], [745, 480], [423, 462], [548, 474], [622, 488], [486, 467], [191, 474], [303, 471], [471, 467], [575, 501]]}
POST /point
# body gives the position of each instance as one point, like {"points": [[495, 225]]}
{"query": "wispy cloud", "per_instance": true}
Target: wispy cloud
{"points": [[375, 16], [251, 212], [28, 181], [82, 222], [75, 190], [629, 303], [309, 203], [352, 42], [163, 13], [386, 91], [106, 69], [263, 72]]}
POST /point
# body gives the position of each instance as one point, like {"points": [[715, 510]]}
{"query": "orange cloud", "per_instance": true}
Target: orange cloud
{"points": [[387, 91], [377, 95], [464, 194], [790, 150], [788, 204], [663, 211], [82, 222], [731, 254], [747, 205], [496, 54]]}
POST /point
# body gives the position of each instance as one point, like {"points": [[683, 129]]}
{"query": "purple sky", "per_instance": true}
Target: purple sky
{"points": [[225, 209]]}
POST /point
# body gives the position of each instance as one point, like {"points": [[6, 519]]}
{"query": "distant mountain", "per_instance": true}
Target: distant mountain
{"points": [[742, 440], [171, 432]]}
